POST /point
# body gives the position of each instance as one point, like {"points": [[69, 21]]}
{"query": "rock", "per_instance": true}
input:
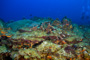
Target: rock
{"points": [[70, 39], [19, 24]]}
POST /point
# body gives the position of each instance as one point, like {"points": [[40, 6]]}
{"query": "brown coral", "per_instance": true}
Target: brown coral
{"points": [[34, 28], [49, 28]]}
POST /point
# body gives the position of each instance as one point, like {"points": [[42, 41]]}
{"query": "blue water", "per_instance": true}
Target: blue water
{"points": [[73, 9]]}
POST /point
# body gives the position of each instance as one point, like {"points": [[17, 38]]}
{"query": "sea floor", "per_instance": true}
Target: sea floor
{"points": [[44, 39]]}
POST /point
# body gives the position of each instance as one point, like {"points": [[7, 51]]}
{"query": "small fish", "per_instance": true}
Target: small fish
{"points": [[63, 42], [70, 58], [49, 57], [3, 32], [67, 24]]}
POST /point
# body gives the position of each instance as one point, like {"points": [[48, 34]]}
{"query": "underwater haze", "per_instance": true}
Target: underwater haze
{"points": [[44, 29], [76, 10]]}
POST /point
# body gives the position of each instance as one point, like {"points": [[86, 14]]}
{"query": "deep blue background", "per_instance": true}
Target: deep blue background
{"points": [[17, 9]]}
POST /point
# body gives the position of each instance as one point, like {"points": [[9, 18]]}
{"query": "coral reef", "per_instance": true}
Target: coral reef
{"points": [[44, 39]]}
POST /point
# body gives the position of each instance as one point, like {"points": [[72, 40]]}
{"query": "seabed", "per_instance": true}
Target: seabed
{"points": [[44, 39]]}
